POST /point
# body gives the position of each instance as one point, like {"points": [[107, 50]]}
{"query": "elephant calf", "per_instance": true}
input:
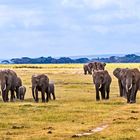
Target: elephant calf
{"points": [[102, 81], [52, 90], [22, 91]]}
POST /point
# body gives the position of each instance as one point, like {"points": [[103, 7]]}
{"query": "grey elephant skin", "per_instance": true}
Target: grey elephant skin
{"points": [[119, 73], [40, 83], [21, 92], [52, 90], [87, 69], [96, 66], [102, 81], [132, 77], [18, 84], [8, 80]]}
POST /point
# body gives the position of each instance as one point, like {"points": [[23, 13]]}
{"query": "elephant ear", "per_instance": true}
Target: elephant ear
{"points": [[116, 73], [104, 64], [134, 78], [90, 65], [94, 73]]}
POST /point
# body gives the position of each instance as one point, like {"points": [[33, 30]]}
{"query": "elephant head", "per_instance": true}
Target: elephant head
{"points": [[98, 78], [100, 66], [96, 66]]}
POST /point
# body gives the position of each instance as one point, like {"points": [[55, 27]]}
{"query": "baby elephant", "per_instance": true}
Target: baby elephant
{"points": [[51, 90], [21, 91]]}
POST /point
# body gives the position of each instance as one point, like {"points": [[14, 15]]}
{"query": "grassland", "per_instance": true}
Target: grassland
{"points": [[74, 111]]}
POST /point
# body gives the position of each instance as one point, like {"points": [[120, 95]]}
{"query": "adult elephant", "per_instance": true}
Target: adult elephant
{"points": [[8, 80], [40, 83], [87, 69], [102, 81], [119, 73], [132, 77], [96, 66]]}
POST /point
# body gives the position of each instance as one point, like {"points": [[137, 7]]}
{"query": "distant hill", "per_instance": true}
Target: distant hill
{"points": [[96, 56], [130, 58]]}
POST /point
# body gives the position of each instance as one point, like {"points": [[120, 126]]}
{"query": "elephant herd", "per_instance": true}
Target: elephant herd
{"points": [[128, 80], [11, 82]]}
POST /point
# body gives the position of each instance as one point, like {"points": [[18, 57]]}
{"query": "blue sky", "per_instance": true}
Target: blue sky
{"points": [[68, 27]]}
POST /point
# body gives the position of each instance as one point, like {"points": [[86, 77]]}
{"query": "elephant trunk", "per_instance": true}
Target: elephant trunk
{"points": [[33, 92], [128, 87], [4, 87]]}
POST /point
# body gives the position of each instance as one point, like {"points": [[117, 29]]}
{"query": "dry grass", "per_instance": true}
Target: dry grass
{"points": [[75, 109]]}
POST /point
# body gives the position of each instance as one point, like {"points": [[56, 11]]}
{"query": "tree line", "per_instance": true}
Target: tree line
{"points": [[130, 58]]}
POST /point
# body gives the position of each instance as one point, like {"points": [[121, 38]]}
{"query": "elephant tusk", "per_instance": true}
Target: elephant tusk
{"points": [[4, 88], [130, 87], [100, 86], [126, 88]]}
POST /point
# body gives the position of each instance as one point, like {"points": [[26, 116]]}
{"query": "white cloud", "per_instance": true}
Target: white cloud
{"points": [[12, 17]]}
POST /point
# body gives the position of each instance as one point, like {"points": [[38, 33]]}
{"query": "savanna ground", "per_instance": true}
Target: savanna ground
{"points": [[74, 111]]}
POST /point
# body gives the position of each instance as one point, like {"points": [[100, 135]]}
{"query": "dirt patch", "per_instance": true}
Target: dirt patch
{"points": [[91, 131]]}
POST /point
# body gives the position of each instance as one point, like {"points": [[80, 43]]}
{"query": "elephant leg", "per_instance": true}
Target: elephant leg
{"points": [[47, 94], [120, 88], [43, 96], [133, 96], [128, 97], [53, 95], [97, 93], [36, 94], [124, 92], [4, 96], [12, 96], [102, 92], [85, 72], [107, 91], [17, 93]]}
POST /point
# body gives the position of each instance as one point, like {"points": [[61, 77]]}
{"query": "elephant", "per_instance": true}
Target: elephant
{"points": [[87, 69], [119, 73], [18, 84], [22, 91], [8, 80], [132, 80], [40, 83], [52, 90], [96, 66], [102, 81]]}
